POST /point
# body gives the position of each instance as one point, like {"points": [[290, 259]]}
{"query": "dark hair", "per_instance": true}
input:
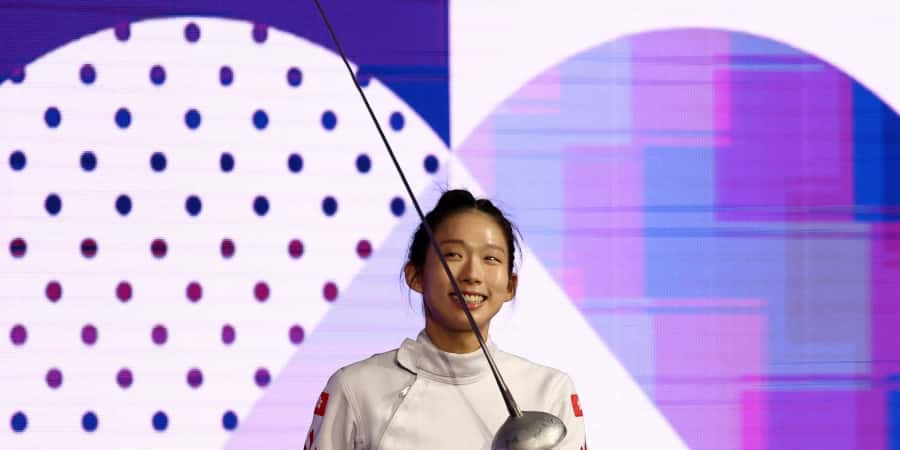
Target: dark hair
{"points": [[453, 202]]}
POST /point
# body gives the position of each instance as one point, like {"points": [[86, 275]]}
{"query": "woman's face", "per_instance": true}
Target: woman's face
{"points": [[476, 251]]}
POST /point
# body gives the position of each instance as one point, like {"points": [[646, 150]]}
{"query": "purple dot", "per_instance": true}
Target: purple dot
{"points": [[194, 378], [87, 74], [159, 335], [260, 32], [227, 248], [18, 334], [194, 292], [158, 248], [294, 77], [295, 248], [330, 291], [228, 334], [192, 32], [17, 74], [262, 377], [17, 247], [88, 248], [123, 31], [123, 291], [124, 378], [54, 378], [53, 291], [364, 249], [226, 76], [89, 334], [261, 291], [157, 75], [296, 334]]}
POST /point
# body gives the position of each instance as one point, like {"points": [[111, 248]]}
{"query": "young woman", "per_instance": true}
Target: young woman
{"points": [[437, 392]]}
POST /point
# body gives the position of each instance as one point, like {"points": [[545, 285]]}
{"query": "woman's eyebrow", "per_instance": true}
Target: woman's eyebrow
{"points": [[463, 243]]}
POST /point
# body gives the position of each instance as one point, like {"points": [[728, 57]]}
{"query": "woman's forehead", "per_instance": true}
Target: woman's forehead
{"points": [[473, 228]]}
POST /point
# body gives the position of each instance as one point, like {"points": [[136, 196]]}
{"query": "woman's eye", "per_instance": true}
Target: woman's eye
{"points": [[493, 259], [451, 255]]}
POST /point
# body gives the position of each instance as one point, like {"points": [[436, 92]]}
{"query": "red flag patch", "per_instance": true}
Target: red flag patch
{"points": [[576, 407], [321, 405]]}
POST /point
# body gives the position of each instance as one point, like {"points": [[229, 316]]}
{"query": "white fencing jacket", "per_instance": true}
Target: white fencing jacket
{"points": [[419, 397]]}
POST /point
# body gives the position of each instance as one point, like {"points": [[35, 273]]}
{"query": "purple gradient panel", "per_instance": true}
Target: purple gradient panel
{"points": [[790, 156], [704, 349]]}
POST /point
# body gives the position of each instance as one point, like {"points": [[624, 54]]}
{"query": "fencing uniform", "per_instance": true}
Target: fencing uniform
{"points": [[419, 397]]}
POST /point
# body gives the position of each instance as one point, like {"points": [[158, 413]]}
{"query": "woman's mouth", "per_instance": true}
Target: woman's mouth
{"points": [[473, 301]]}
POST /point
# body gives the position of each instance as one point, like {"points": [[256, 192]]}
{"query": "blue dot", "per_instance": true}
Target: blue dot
{"points": [[52, 117], [88, 74], [53, 204], [363, 163], [431, 164], [123, 204], [260, 119], [226, 162], [329, 120], [89, 421], [294, 76], [193, 205], [158, 162], [192, 32], [397, 121], [295, 163], [123, 118], [88, 161], [363, 77], [160, 421], [192, 119], [329, 206], [226, 76], [261, 205], [17, 160], [19, 422], [157, 75], [229, 420], [398, 206]]}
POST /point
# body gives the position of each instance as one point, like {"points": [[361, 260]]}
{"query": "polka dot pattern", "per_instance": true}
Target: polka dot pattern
{"points": [[168, 180]]}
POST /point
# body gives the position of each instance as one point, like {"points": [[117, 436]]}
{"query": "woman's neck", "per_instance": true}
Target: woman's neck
{"points": [[453, 341]]}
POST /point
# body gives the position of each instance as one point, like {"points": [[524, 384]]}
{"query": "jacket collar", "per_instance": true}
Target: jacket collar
{"points": [[423, 358]]}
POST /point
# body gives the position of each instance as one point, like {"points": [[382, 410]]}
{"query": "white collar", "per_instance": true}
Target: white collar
{"points": [[423, 358]]}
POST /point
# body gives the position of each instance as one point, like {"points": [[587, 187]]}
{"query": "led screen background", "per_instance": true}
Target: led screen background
{"points": [[201, 224]]}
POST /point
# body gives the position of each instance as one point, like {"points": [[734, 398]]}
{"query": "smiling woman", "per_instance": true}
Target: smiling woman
{"points": [[437, 391]]}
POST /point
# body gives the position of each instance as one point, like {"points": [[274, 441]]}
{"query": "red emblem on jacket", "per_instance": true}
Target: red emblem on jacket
{"points": [[321, 405], [576, 407]]}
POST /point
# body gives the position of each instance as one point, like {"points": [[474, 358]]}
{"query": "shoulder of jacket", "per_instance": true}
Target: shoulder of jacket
{"points": [[364, 371], [518, 364]]}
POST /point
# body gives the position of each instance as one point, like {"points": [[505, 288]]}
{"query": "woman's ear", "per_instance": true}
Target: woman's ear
{"points": [[411, 272], [511, 286]]}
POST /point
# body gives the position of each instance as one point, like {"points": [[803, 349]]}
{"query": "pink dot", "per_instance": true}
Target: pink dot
{"points": [[159, 248], [194, 291], [17, 247], [89, 334], [54, 378], [330, 291], [53, 291], [194, 378], [364, 249], [89, 248], [261, 291], [123, 291], [18, 334], [295, 248], [159, 335], [227, 248], [124, 378], [262, 377], [296, 334], [228, 334]]}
